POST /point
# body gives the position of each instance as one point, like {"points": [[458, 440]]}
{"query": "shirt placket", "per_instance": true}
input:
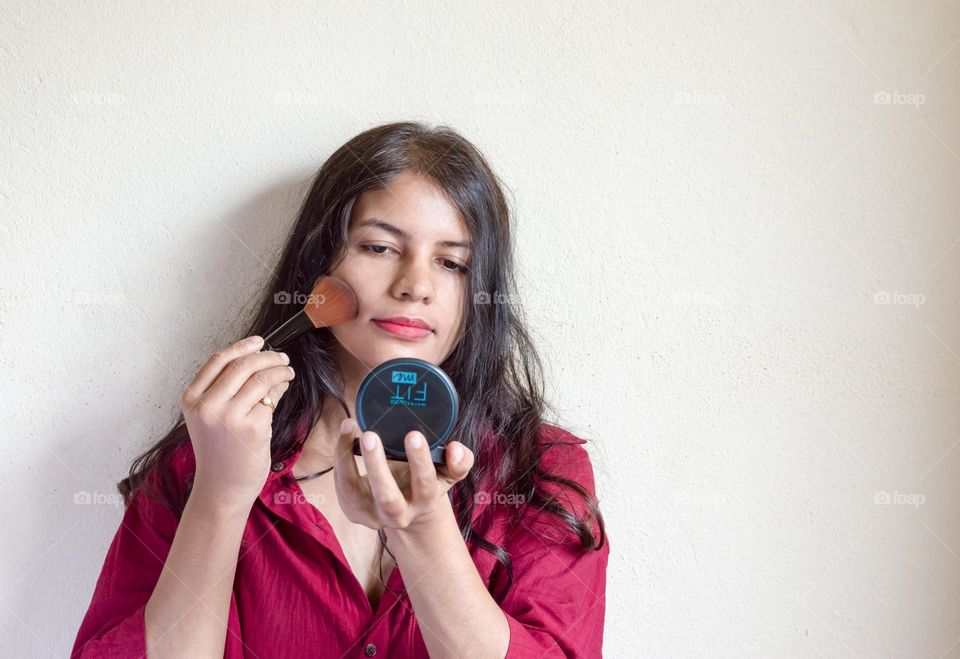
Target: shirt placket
{"points": [[286, 499]]}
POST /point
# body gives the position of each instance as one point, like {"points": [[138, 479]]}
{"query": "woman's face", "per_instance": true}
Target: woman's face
{"points": [[402, 260]]}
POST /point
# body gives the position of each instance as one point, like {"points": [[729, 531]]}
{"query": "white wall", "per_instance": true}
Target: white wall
{"points": [[711, 197]]}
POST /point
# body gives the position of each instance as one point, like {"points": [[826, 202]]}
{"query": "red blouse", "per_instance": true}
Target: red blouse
{"points": [[295, 595]]}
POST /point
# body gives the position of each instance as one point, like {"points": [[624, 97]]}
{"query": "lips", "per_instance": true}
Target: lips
{"points": [[405, 321], [408, 328]]}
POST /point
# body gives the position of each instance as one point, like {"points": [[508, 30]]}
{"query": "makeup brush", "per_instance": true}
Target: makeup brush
{"points": [[331, 302]]}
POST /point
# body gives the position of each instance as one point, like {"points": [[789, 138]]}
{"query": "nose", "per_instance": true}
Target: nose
{"points": [[414, 280]]}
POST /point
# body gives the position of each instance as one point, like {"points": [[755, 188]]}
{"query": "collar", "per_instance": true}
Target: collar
{"points": [[283, 469]]}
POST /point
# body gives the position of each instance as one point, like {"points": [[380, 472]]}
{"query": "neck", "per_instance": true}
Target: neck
{"points": [[320, 447]]}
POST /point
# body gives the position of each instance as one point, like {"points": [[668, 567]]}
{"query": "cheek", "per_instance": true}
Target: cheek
{"points": [[455, 312], [361, 280]]}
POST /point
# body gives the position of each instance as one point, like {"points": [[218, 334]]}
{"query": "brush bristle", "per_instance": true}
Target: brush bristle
{"points": [[332, 302]]}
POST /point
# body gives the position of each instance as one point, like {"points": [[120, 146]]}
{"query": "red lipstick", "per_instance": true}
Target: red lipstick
{"points": [[405, 327]]}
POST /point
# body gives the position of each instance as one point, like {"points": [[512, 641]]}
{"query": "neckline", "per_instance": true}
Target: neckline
{"points": [[308, 477], [392, 583], [291, 462]]}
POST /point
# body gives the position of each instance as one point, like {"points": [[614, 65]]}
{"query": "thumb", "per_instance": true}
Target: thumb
{"points": [[458, 461]]}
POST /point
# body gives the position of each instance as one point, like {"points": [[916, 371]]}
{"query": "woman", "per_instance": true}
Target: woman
{"points": [[256, 532]]}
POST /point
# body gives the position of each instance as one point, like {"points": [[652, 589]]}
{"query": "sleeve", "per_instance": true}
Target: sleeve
{"points": [[556, 604], [114, 625]]}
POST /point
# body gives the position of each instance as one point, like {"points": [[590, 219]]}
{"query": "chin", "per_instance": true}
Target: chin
{"points": [[377, 350], [374, 347]]}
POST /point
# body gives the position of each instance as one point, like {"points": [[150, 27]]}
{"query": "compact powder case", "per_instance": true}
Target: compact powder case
{"points": [[405, 394]]}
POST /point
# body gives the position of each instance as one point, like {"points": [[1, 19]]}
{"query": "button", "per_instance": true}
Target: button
{"points": [[278, 466], [370, 650]]}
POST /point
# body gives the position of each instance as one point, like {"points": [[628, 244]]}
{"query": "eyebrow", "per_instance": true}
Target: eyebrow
{"points": [[400, 233]]}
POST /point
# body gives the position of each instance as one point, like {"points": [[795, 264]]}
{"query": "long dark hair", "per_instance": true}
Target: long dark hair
{"points": [[495, 366]]}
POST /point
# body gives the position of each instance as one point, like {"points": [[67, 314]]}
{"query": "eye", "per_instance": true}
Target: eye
{"points": [[453, 266], [373, 248], [381, 250]]}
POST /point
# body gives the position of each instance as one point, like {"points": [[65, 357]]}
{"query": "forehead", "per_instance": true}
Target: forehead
{"points": [[413, 203]]}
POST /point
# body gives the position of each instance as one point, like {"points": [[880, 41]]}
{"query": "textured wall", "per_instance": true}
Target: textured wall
{"points": [[738, 233]]}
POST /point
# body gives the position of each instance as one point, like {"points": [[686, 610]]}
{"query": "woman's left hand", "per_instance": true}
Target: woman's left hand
{"points": [[395, 494]]}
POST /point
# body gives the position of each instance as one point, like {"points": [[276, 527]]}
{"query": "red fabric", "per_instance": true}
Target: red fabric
{"points": [[295, 595]]}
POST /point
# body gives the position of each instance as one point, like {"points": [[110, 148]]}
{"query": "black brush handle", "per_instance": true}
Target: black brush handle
{"points": [[294, 327]]}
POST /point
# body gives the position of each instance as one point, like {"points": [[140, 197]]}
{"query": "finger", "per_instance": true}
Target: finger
{"points": [[275, 394], [212, 368], [346, 472], [423, 475], [458, 462], [259, 385], [388, 497], [236, 373]]}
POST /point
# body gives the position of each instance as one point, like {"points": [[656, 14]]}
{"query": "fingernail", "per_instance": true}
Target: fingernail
{"points": [[254, 340], [456, 452], [285, 357], [416, 440], [368, 440], [346, 426]]}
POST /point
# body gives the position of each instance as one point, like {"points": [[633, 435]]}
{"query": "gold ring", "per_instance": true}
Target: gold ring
{"points": [[266, 400]]}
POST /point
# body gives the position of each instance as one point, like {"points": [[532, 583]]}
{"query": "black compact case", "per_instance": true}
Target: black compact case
{"points": [[405, 394]]}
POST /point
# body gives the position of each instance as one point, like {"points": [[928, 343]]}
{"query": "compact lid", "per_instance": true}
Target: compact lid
{"points": [[407, 394]]}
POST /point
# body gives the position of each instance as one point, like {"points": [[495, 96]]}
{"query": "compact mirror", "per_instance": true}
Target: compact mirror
{"points": [[407, 394]]}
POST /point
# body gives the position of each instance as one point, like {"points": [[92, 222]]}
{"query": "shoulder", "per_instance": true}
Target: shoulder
{"points": [[180, 463], [183, 463], [565, 494], [558, 490], [169, 479], [565, 455], [565, 477]]}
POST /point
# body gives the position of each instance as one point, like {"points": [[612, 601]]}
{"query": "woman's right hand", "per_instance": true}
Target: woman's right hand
{"points": [[229, 427]]}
